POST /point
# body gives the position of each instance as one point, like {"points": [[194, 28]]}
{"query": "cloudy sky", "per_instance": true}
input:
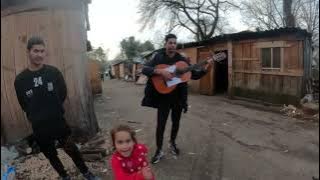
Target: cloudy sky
{"points": [[112, 21]]}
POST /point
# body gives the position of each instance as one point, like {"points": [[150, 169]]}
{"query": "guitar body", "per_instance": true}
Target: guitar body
{"points": [[160, 84], [184, 69]]}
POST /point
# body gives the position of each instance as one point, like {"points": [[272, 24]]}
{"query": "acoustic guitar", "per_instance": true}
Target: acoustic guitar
{"points": [[181, 72]]}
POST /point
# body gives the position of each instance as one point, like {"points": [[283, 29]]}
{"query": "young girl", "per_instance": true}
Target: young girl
{"points": [[129, 161]]}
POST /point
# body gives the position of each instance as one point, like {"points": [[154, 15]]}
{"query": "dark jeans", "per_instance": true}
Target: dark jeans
{"points": [[48, 148], [163, 113]]}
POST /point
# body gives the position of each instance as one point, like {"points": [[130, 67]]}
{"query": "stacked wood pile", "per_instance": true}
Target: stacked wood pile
{"points": [[95, 149], [291, 111], [309, 104], [28, 167], [309, 111], [31, 161]]}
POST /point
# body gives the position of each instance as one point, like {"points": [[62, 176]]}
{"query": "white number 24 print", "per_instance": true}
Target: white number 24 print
{"points": [[37, 81]]}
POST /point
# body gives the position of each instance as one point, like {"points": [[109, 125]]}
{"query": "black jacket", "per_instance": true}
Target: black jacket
{"points": [[41, 95], [180, 95]]}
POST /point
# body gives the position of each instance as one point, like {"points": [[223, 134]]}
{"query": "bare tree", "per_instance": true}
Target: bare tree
{"points": [[287, 13], [262, 14], [270, 14], [308, 18], [200, 17]]}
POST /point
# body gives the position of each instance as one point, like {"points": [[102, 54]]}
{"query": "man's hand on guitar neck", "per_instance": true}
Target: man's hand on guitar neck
{"points": [[165, 74], [209, 62]]}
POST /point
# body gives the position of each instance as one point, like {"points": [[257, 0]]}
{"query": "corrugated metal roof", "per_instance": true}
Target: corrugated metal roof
{"points": [[134, 60], [149, 53], [138, 60], [248, 35], [146, 53], [118, 61]]}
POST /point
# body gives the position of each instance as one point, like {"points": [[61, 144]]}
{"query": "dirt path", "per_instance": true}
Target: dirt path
{"points": [[219, 140]]}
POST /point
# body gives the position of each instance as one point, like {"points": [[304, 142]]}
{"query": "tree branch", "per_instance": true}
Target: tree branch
{"points": [[184, 25], [191, 19], [280, 14], [215, 21], [227, 2]]}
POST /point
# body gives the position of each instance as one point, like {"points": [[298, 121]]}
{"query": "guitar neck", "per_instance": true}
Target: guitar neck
{"points": [[192, 67], [217, 57], [199, 64]]}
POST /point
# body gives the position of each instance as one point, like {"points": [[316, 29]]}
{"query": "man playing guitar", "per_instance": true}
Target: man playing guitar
{"points": [[175, 100]]}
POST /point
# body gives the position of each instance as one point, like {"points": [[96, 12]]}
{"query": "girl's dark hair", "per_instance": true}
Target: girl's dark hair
{"points": [[169, 36], [35, 40], [124, 128]]}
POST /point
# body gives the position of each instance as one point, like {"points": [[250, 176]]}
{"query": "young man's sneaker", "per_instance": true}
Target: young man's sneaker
{"points": [[90, 176], [157, 157], [174, 149]]}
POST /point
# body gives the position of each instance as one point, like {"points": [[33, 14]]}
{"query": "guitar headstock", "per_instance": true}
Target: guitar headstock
{"points": [[219, 56], [214, 57]]}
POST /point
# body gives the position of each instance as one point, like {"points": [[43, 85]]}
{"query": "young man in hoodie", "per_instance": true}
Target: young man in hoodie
{"points": [[41, 91]]}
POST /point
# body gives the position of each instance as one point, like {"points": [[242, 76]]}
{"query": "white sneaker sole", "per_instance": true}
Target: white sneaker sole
{"points": [[161, 156], [172, 151]]}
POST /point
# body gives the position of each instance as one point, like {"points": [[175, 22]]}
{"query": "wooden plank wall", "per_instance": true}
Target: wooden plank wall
{"points": [[206, 82], [121, 71], [245, 58], [116, 71], [248, 73], [65, 36], [13, 61], [95, 77], [206, 85], [113, 70], [134, 70], [192, 53]]}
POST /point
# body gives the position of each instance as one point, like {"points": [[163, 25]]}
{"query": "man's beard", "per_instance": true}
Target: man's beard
{"points": [[172, 50]]}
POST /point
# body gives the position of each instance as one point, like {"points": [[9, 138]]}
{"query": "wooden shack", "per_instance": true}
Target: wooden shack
{"points": [[115, 68], [63, 24], [136, 70], [95, 76], [115, 71], [122, 68], [271, 66]]}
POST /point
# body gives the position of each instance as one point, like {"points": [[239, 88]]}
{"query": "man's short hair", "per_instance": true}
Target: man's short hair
{"points": [[35, 40], [169, 36]]}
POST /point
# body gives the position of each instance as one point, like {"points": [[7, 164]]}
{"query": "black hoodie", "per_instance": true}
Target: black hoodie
{"points": [[41, 95]]}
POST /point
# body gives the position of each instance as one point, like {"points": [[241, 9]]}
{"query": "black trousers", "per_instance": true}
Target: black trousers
{"points": [[47, 147], [163, 113]]}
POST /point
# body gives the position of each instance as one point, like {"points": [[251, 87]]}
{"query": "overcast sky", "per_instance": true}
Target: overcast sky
{"points": [[112, 21]]}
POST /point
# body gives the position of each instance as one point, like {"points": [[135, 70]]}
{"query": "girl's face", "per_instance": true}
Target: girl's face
{"points": [[123, 143]]}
